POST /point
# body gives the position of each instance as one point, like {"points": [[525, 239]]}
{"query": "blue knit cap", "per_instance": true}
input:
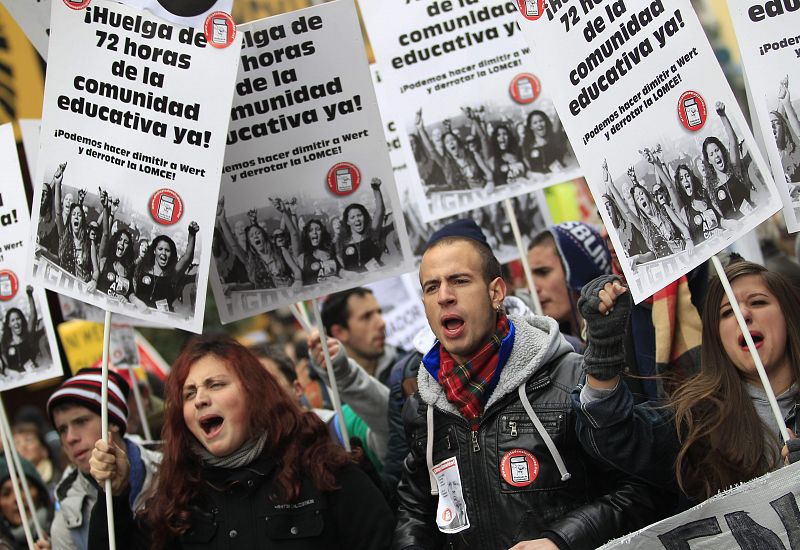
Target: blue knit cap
{"points": [[583, 252], [465, 228]]}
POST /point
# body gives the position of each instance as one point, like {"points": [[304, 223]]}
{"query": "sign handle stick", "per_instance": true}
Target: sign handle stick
{"points": [[301, 307], [112, 542], [8, 443], [300, 318], [523, 256], [337, 403], [752, 347], [137, 396], [26, 491]]}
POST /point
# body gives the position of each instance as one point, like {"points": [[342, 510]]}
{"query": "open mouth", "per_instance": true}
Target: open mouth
{"points": [[758, 340], [453, 326], [211, 425]]}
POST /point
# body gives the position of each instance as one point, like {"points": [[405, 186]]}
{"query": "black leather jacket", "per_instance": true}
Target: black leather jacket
{"points": [[594, 505]]}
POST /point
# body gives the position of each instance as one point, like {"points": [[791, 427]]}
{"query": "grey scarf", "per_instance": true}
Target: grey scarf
{"points": [[247, 453]]}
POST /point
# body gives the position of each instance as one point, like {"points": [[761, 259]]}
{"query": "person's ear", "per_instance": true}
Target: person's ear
{"points": [[340, 333], [497, 293]]}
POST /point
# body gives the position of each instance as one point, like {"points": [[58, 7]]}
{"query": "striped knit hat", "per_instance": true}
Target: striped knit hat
{"points": [[84, 389]]}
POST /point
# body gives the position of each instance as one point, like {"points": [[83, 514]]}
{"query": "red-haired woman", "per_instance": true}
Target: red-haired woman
{"points": [[243, 467]]}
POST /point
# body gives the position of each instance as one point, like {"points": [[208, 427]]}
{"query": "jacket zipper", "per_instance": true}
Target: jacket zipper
{"points": [[475, 445]]}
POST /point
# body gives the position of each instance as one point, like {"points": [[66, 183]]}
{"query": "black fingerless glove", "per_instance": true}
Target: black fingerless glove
{"points": [[604, 357], [794, 450]]}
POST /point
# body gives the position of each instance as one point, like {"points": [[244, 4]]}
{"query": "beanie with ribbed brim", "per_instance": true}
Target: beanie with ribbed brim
{"points": [[583, 252], [83, 390]]}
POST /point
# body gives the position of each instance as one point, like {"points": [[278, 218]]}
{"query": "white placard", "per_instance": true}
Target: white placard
{"points": [[640, 91], [140, 121], [475, 118], [28, 350], [762, 513], [310, 206], [531, 209], [769, 39], [401, 308]]}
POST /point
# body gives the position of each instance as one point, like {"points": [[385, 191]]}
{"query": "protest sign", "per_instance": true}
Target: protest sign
{"points": [[28, 350], [476, 121], [34, 17], [769, 40], [193, 13], [34, 20], [71, 308], [531, 209], [29, 129], [760, 514], [132, 141], [667, 153], [308, 203], [83, 347], [401, 308]]}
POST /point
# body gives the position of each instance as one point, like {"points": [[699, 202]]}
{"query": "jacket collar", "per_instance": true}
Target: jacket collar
{"points": [[536, 342]]}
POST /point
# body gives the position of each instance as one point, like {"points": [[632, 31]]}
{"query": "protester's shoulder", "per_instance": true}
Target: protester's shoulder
{"points": [[70, 482], [353, 484]]}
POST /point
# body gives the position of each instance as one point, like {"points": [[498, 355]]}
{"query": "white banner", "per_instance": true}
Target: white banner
{"points": [[475, 118], [310, 206], [28, 350], [760, 515], [769, 39], [132, 139], [666, 150]]}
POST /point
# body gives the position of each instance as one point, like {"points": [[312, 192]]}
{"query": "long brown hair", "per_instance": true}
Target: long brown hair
{"points": [[298, 441], [722, 437]]}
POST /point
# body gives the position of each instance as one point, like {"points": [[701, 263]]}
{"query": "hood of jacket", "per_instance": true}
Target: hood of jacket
{"points": [[537, 341]]}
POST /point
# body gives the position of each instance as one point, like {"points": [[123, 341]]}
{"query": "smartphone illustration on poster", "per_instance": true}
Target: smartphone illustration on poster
{"points": [[525, 89], [166, 207], [692, 112], [344, 180], [532, 8], [220, 31], [6, 288]]}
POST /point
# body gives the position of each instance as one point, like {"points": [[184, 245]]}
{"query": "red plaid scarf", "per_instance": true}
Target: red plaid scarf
{"points": [[466, 385]]}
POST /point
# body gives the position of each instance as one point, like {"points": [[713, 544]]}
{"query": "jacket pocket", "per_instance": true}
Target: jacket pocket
{"points": [[296, 525], [524, 462]]}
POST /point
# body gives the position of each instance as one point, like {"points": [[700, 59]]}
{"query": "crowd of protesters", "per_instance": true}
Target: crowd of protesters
{"points": [[500, 429]]}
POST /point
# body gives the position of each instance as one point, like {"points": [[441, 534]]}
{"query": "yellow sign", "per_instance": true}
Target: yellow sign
{"points": [[83, 343]]}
